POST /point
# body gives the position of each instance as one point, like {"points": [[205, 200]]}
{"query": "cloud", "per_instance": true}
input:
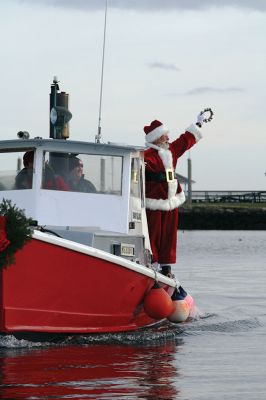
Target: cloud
{"points": [[151, 5], [208, 89], [159, 65]]}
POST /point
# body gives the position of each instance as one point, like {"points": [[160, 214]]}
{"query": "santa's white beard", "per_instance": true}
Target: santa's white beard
{"points": [[164, 145]]}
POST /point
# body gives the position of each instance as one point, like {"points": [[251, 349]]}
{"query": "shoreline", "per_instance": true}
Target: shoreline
{"points": [[223, 217]]}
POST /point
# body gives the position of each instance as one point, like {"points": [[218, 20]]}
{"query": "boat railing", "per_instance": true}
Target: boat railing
{"points": [[239, 196]]}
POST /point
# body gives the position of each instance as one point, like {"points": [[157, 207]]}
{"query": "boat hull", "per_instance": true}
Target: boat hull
{"points": [[52, 288]]}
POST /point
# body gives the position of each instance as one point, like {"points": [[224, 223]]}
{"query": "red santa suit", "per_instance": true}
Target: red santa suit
{"points": [[164, 193]]}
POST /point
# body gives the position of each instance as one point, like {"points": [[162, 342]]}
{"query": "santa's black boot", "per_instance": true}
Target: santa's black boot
{"points": [[166, 270]]}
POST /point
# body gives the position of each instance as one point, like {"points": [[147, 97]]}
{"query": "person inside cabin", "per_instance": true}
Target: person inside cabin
{"points": [[76, 180], [24, 177], [53, 181], [164, 193]]}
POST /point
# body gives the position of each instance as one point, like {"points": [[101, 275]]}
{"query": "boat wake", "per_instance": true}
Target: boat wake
{"points": [[158, 334], [226, 327]]}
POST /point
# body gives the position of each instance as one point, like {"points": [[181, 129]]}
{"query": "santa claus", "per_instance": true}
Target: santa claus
{"points": [[164, 193]]}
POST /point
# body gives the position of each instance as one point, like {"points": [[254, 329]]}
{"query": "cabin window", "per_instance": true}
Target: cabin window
{"points": [[87, 173], [136, 186], [16, 169]]}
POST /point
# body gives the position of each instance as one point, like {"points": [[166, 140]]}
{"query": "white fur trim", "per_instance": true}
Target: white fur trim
{"points": [[166, 157], [194, 129], [174, 200], [153, 146], [156, 133], [167, 204]]}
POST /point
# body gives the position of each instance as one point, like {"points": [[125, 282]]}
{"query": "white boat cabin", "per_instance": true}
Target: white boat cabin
{"points": [[110, 199]]}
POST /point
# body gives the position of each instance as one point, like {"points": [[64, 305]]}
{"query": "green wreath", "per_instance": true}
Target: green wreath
{"points": [[18, 231]]}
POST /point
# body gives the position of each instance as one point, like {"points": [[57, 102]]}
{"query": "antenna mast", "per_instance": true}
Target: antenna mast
{"points": [[98, 136]]}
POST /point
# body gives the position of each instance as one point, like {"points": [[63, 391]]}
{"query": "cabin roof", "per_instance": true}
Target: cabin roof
{"points": [[67, 145]]}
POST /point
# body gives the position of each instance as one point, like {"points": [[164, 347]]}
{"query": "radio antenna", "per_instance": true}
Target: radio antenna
{"points": [[98, 136]]}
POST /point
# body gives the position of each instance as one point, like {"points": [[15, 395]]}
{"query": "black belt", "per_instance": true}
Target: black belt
{"points": [[160, 176]]}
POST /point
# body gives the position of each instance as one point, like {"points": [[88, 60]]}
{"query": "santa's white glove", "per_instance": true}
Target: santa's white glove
{"points": [[200, 119]]}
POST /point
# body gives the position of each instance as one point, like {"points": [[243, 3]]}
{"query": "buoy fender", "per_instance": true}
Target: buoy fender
{"points": [[157, 303]]}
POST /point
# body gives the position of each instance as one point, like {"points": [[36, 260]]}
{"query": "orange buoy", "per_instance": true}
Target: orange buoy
{"points": [[158, 304]]}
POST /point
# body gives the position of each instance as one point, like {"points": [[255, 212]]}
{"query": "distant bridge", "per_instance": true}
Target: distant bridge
{"points": [[239, 196]]}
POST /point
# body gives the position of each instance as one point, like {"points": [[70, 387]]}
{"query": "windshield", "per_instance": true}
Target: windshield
{"points": [[82, 173], [16, 170], [88, 173]]}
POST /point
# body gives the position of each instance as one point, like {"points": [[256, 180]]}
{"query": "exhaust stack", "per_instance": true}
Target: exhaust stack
{"points": [[59, 113]]}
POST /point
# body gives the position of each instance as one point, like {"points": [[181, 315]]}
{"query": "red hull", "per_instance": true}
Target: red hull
{"points": [[52, 288]]}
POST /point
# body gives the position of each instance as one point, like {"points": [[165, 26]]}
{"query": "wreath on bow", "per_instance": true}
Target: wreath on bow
{"points": [[15, 231]]}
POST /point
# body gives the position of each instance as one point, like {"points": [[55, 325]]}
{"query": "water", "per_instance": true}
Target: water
{"points": [[221, 354]]}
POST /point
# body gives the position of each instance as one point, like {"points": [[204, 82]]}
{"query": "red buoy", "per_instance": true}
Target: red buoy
{"points": [[158, 304]]}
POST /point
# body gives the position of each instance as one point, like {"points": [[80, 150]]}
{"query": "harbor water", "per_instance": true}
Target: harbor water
{"points": [[219, 354]]}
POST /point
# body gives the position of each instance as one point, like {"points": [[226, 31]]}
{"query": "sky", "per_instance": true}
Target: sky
{"points": [[164, 59]]}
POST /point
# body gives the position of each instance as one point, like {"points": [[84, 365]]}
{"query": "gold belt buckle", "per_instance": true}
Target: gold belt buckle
{"points": [[170, 176]]}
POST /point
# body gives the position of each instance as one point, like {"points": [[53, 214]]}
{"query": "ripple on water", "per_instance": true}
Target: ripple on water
{"points": [[198, 325]]}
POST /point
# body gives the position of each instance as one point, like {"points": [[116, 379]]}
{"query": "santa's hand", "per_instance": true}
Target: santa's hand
{"points": [[200, 119]]}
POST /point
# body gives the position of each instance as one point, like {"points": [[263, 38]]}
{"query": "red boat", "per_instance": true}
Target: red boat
{"points": [[87, 267]]}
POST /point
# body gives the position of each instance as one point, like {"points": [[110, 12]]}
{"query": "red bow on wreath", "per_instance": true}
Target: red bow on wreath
{"points": [[4, 242]]}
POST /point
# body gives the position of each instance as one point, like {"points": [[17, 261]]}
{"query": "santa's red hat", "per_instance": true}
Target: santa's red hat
{"points": [[155, 130]]}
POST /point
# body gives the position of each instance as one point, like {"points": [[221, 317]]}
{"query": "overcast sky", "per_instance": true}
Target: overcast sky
{"points": [[164, 60]]}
